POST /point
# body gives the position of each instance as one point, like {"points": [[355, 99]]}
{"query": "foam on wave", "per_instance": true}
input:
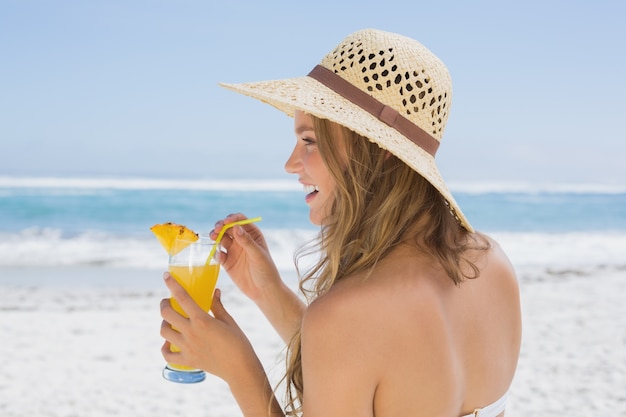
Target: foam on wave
{"points": [[479, 187], [49, 247]]}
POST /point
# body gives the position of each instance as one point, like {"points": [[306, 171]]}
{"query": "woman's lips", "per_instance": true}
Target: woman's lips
{"points": [[311, 191]]}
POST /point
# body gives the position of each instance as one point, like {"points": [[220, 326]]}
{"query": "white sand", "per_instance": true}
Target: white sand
{"points": [[76, 350]]}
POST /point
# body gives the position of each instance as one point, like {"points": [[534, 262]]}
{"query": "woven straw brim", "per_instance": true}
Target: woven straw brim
{"points": [[310, 96]]}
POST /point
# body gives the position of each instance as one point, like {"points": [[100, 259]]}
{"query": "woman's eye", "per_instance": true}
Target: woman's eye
{"points": [[308, 141]]}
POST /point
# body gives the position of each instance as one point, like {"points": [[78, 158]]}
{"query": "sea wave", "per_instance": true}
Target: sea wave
{"points": [[138, 183], [495, 187], [148, 184], [47, 247]]}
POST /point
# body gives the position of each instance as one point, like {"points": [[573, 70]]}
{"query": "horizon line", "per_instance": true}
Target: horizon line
{"points": [[282, 184]]}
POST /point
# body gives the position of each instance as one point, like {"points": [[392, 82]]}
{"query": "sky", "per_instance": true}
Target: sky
{"points": [[129, 88]]}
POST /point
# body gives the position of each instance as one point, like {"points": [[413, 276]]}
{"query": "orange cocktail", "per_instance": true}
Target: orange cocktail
{"points": [[197, 274], [199, 281]]}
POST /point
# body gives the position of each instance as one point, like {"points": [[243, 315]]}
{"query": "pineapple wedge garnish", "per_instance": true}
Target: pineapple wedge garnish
{"points": [[174, 237]]}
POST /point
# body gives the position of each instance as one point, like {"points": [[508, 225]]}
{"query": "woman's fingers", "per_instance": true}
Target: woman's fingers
{"points": [[228, 219], [168, 333], [168, 355], [172, 316], [227, 241], [218, 310], [183, 298]]}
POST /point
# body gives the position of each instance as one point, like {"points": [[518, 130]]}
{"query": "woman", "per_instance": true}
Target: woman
{"points": [[411, 311]]}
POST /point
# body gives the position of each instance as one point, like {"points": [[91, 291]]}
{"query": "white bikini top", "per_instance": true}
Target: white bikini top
{"points": [[492, 410]]}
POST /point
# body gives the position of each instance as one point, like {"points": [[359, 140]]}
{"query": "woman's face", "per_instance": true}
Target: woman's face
{"points": [[307, 163]]}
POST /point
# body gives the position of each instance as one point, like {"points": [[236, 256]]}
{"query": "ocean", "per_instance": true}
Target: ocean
{"points": [[96, 222], [80, 278]]}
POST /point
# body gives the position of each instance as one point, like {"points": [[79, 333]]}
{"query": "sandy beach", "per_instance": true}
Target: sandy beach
{"points": [[71, 349]]}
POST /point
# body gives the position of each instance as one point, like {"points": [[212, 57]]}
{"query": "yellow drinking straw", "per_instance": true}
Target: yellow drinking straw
{"points": [[224, 228]]}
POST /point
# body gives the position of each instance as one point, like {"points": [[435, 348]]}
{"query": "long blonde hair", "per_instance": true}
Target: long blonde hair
{"points": [[379, 202]]}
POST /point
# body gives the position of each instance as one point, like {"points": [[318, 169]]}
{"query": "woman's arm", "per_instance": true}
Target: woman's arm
{"points": [[247, 260], [339, 367]]}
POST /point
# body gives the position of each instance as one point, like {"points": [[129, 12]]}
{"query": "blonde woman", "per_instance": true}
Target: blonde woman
{"points": [[411, 312]]}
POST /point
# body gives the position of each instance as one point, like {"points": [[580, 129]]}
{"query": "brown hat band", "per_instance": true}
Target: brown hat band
{"points": [[374, 107]]}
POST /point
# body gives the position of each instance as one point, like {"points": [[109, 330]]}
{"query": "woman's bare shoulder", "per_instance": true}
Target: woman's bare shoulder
{"points": [[378, 310], [496, 264]]}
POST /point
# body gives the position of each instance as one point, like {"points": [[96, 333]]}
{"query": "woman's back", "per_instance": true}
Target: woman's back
{"points": [[412, 340]]}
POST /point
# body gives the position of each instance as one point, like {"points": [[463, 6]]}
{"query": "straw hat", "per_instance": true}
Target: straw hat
{"points": [[384, 86]]}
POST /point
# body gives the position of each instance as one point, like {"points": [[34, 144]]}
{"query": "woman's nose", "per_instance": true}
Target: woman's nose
{"points": [[293, 162]]}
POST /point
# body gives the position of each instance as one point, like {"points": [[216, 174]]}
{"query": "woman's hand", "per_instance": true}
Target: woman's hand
{"points": [[246, 258], [218, 346], [215, 344]]}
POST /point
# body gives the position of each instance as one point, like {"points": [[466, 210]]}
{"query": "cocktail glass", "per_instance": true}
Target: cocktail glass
{"points": [[193, 269]]}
